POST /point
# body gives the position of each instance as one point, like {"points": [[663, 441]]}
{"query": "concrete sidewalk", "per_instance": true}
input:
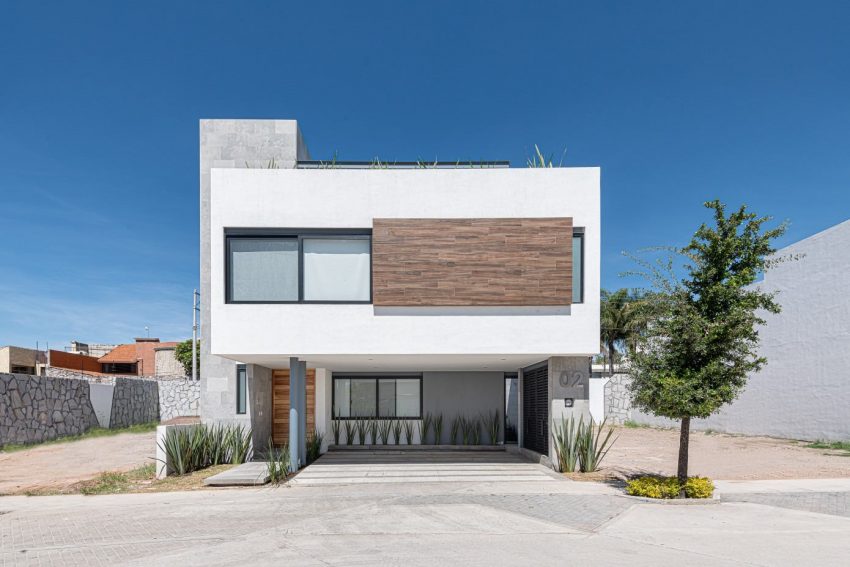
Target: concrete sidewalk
{"points": [[784, 485]]}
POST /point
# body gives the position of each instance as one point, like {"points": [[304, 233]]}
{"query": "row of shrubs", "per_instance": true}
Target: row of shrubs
{"points": [[669, 487], [193, 448], [463, 430], [581, 446]]}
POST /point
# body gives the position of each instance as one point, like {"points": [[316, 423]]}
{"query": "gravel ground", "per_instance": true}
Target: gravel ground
{"points": [[721, 456], [60, 465]]}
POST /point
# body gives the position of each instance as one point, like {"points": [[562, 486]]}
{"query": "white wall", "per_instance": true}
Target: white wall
{"points": [[361, 337], [804, 391]]}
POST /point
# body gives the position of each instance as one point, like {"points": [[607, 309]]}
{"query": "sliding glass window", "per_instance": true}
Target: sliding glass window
{"points": [[377, 396], [307, 267]]}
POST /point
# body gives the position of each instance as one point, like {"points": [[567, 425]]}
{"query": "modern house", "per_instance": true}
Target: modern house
{"points": [[338, 290], [20, 360]]}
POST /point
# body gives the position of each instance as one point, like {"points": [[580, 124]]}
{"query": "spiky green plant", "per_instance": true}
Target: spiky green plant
{"points": [[475, 431], [593, 444], [425, 428], [539, 160], [314, 445], [362, 427], [438, 429], [335, 429], [239, 444], [493, 424], [217, 445], [408, 432], [372, 428], [565, 434], [457, 426], [277, 462], [350, 428], [397, 425], [384, 429]]}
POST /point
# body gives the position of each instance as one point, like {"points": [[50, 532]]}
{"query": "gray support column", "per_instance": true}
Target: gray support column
{"points": [[294, 419], [302, 410]]}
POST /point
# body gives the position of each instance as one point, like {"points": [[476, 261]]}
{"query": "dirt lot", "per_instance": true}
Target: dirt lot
{"points": [[722, 456], [63, 464]]}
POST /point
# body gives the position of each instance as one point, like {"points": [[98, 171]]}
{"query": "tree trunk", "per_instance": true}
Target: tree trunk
{"points": [[611, 357], [684, 437]]}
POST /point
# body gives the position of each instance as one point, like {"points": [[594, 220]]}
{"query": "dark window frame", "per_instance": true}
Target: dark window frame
{"points": [[299, 235], [377, 377], [241, 393], [579, 233]]}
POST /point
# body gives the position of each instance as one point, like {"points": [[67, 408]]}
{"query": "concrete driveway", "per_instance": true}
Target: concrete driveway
{"points": [[383, 467]]}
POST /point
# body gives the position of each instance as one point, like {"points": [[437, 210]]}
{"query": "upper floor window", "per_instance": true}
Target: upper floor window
{"points": [[578, 266], [311, 266]]}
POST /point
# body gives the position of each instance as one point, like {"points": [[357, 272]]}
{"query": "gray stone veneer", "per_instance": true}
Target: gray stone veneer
{"points": [[37, 408], [134, 401]]}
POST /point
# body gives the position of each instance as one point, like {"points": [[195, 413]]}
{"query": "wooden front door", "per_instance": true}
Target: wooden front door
{"points": [[280, 404]]}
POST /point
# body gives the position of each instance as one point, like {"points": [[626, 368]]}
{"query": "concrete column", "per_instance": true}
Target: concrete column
{"points": [[295, 454], [302, 410]]}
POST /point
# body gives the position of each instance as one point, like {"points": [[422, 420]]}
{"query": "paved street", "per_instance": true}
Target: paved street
{"points": [[470, 523]]}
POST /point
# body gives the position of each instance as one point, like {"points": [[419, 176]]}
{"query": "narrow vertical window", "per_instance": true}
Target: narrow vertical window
{"points": [[578, 267], [241, 388]]}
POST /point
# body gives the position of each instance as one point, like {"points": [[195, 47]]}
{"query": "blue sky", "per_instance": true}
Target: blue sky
{"points": [[678, 102]]}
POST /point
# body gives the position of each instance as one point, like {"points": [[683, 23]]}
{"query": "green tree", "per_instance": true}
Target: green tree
{"points": [[622, 319], [696, 355], [183, 354]]}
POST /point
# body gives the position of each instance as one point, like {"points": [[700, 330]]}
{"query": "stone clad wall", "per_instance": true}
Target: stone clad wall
{"points": [[618, 404], [178, 398], [134, 401], [37, 408]]}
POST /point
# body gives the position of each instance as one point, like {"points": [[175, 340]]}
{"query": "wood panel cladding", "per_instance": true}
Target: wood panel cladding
{"points": [[465, 262], [280, 404]]}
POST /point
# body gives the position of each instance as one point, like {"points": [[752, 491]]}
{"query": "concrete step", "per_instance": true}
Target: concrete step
{"points": [[246, 474]]}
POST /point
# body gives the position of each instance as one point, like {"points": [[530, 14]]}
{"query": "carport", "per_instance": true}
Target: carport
{"points": [[377, 467]]}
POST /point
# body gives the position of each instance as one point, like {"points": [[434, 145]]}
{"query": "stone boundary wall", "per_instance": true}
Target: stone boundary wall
{"points": [[39, 408], [618, 403], [178, 396], [134, 401], [34, 409]]}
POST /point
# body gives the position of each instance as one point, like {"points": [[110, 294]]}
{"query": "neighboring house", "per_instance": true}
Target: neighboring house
{"points": [[804, 390], [95, 350], [19, 360], [142, 358], [391, 291]]}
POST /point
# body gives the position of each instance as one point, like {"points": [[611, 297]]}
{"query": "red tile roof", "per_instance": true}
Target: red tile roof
{"points": [[141, 352]]}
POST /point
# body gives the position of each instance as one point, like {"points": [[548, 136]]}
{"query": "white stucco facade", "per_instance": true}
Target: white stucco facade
{"points": [[362, 337]]}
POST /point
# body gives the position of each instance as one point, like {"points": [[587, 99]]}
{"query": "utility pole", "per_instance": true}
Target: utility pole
{"points": [[195, 309]]}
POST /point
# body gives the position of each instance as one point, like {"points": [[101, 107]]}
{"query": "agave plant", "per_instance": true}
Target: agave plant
{"points": [[314, 445], [277, 462], [408, 431], [372, 428], [425, 428], [397, 425], [593, 444], [475, 431], [565, 435], [493, 424], [361, 426], [539, 160], [350, 428], [335, 429], [438, 429], [384, 429], [466, 430], [239, 444], [457, 426]]}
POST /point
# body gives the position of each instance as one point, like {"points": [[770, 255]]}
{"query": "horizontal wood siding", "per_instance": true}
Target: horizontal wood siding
{"points": [[461, 262], [280, 398]]}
